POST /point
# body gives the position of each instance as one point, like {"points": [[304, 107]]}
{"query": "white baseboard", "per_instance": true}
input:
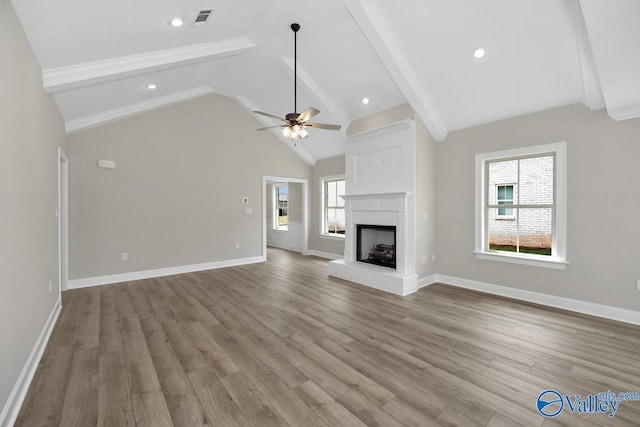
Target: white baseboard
{"points": [[428, 280], [16, 398], [323, 254], [160, 272], [584, 307]]}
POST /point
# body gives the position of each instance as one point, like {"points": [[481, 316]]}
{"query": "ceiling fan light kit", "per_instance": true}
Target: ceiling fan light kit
{"points": [[296, 127]]}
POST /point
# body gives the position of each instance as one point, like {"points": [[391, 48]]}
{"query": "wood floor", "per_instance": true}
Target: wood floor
{"points": [[281, 344]]}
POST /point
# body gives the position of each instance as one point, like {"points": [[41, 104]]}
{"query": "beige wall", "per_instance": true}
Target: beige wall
{"points": [[602, 205], [175, 195], [295, 202], [326, 167], [31, 129]]}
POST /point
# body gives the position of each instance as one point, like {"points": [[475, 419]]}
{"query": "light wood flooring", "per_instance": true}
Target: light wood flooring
{"points": [[282, 344]]}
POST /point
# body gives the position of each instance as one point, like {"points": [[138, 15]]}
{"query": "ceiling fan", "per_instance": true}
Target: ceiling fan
{"points": [[296, 124]]}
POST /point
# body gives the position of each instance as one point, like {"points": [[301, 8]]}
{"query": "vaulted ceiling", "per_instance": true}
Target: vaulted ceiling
{"points": [[98, 58]]}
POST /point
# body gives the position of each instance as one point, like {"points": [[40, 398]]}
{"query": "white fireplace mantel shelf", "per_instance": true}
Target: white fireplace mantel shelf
{"points": [[401, 195]]}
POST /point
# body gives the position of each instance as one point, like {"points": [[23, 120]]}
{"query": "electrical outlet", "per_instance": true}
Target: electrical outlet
{"points": [[50, 290], [125, 256], [425, 259], [237, 245]]}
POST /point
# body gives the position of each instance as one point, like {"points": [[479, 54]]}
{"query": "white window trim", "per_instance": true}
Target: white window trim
{"points": [[559, 240], [276, 222], [324, 179]]}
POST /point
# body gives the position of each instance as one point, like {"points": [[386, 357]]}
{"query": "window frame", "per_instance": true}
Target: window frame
{"points": [[557, 259], [276, 216], [323, 206]]}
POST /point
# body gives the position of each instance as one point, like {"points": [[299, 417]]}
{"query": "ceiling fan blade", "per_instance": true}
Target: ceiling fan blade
{"points": [[323, 126], [307, 114], [271, 127], [270, 115]]}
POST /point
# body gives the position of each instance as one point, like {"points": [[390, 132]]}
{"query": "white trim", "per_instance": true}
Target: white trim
{"points": [[19, 391], [322, 254], [584, 307], [427, 281], [624, 113], [159, 272], [383, 42], [558, 261], [524, 259], [64, 78], [381, 130], [323, 180], [63, 221], [108, 116]]}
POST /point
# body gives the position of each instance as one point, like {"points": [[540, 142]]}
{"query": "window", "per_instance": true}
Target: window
{"points": [[526, 187], [281, 206], [333, 216], [505, 197]]}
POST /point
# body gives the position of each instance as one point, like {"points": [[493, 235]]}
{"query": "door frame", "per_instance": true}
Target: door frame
{"points": [[63, 222], [305, 211]]}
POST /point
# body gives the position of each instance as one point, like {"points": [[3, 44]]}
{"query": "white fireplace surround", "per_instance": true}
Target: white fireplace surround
{"points": [[395, 209]]}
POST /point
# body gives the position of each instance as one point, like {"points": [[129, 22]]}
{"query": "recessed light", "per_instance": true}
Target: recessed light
{"points": [[176, 22], [365, 100], [151, 86], [478, 53]]}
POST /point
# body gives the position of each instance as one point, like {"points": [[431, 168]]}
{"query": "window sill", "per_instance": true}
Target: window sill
{"points": [[332, 236], [281, 229], [536, 261], [505, 218]]}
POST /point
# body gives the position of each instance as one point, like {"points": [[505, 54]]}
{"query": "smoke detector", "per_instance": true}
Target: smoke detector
{"points": [[202, 17]]}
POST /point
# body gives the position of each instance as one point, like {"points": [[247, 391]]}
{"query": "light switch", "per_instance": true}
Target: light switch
{"points": [[248, 211]]}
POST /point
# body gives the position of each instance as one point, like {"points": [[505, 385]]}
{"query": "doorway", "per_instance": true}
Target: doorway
{"points": [[295, 235]]}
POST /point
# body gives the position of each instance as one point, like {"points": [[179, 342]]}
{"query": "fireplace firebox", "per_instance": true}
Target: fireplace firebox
{"points": [[376, 244]]}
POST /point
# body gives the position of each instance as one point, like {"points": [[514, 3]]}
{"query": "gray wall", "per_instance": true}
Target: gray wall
{"points": [[425, 201], [175, 195], [326, 167], [31, 129], [295, 202], [602, 205]]}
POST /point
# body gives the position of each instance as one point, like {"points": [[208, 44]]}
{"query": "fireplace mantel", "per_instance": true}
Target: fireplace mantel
{"points": [[380, 184], [400, 195]]}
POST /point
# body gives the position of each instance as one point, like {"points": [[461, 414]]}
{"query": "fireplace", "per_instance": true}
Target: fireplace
{"points": [[376, 244]]}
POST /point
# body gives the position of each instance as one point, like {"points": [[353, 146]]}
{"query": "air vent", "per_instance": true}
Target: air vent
{"points": [[202, 17]]}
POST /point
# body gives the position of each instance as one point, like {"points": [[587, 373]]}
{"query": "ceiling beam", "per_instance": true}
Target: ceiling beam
{"points": [[377, 32], [591, 88], [300, 152], [80, 75], [108, 116], [306, 81]]}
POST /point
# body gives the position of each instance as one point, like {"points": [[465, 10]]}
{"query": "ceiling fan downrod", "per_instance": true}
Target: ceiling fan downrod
{"points": [[295, 27]]}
